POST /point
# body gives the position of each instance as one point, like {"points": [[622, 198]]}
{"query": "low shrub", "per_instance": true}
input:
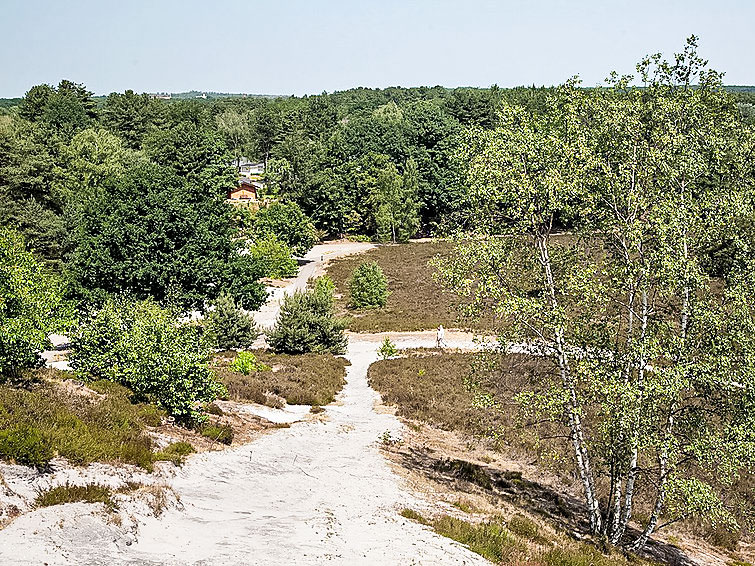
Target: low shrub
{"points": [[387, 349], [175, 453], [307, 323], [70, 493], [526, 528], [413, 515], [368, 286], [275, 256], [228, 326], [213, 409], [53, 420], [142, 346], [305, 379], [25, 444], [222, 433], [246, 363]]}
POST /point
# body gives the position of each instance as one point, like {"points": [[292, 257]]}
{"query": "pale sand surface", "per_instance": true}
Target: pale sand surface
{"points": [[319, 492]]}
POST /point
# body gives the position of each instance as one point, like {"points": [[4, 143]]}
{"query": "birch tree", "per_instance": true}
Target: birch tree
{"points": [[654, 377]]}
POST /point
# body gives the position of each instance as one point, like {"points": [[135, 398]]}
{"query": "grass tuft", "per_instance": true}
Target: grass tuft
{"points": [[217, 432], [175, 453], [70, 493]]}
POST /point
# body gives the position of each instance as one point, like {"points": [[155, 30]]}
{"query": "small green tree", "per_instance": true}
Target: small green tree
{"points": [[230, 327], [307, 323], [142, 346], [368, 286], [274, 257], [387, 349], [30, 305], [288, 223]]}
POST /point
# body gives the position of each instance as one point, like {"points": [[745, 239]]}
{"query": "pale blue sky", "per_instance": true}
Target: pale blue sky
{"points": [[300, 47]]}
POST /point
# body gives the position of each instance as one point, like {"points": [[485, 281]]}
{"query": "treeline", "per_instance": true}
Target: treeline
{"points": [[126, 193]]}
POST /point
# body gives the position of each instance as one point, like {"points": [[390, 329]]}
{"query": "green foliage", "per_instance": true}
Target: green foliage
{"points": [[368, 286], [307, 323], [387, 349], [396, 204], [222, 433], [287, 222], [639, 334], [30, 305], [246, 363], [142, 346], [274, 257], [72, 493], [131, 116], [228, 327], [175, 452], [24, 444], [150, 234]]}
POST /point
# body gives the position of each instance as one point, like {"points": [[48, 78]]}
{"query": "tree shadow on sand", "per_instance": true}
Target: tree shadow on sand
{"points": [[563, 511]]}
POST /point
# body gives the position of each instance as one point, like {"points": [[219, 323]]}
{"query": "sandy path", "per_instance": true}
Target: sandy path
{"points": [[318, 492], [315, 261]]}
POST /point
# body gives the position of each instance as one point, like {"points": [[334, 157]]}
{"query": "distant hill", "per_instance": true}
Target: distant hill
{"points": [[212, 95]]}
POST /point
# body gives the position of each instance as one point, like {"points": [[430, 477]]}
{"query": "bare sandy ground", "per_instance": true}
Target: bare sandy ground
{"points": [[319, 492]]}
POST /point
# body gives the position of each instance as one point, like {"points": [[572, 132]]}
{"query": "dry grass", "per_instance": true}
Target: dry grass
{"points": [[306, 379], [467, 393], [70, 493], [416, 301], [464, 392], [60, 418], [503, 542]]}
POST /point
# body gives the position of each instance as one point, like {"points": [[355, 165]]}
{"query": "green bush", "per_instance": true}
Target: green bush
{"points": [[368, 286], [143, 347], [307, 323], [288, 223], [222, 433], [30, 306], [229, 327], [175, 452], [387, 349], [25, 444], [246, 363], [275, 257]]}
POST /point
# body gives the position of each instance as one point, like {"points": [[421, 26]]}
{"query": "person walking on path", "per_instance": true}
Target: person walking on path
{"points": [[440, 341]]}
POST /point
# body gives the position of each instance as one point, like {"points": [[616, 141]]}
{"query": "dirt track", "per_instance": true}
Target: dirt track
{"points": [[318, 492]]}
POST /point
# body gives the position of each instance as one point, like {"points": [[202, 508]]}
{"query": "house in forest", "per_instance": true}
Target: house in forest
{"points": [[247, 192], [251, 183], [249, 169]]}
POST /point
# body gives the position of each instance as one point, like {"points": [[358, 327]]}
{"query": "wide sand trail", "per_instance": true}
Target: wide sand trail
{"points": [[319, 492]]}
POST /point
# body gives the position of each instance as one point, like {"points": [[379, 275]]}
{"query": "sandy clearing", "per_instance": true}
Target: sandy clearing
{"points": [[317, 492], [320, 491]]}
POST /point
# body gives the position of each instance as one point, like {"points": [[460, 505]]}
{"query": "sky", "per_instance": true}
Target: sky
{"points": [[307, 47]]}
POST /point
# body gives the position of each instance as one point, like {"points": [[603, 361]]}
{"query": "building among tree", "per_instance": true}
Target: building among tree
{"points": [[250, 185]]}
